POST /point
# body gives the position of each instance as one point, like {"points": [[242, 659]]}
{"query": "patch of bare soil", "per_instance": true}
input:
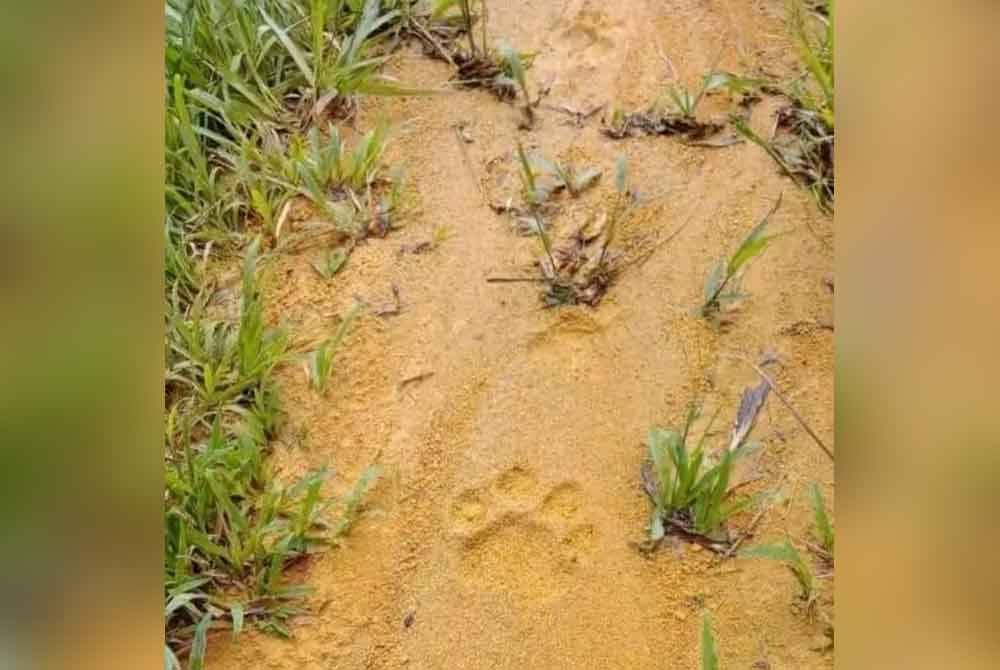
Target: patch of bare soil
{"points": [[503, 532]]}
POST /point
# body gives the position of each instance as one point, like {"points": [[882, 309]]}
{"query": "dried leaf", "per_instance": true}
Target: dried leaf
{"points": [[750, 405]]}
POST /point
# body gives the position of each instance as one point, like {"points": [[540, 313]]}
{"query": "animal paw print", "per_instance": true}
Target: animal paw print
{"points": [[518, 541]]}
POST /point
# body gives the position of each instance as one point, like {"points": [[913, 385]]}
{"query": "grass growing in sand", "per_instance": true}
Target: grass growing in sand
{"points": [[722, 285], [250, 90], [688, 487], [581, 270], [709, 655], [319, 364], [804, 149], [541, 177]]}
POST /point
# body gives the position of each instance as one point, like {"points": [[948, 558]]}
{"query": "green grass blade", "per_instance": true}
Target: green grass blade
{"points": [[170, 660], [709, 656], [824, 529], [293, 50], [782, 551], [753, 244], [317, 16], [197, 659], [355, 498], [237, 613]]}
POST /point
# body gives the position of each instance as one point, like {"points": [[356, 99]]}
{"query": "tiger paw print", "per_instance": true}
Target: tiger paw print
{"points": [[519, 541]]}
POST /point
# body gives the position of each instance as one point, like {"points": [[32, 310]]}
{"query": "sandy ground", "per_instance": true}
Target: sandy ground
{"points": [[503, 528]]}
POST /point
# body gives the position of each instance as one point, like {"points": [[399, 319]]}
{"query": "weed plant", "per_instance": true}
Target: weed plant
{"points": [[804, 149], [247, 85], [331, 263], [582, 270], [320, 362], [722, 285], [688, 487]]}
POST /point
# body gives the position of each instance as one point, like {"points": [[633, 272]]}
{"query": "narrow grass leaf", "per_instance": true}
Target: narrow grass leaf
{"points": [[709, 656], [293, 50], [824, 529], [199, 644]]}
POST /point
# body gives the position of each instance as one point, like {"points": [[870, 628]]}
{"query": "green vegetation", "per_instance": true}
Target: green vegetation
{"points": [[568, 177], [332, 262], [252, 94], [722, 285], [540, 178], [686, 103], [320, 362], [689, 488], [581, 270], [709, 655], [823, 525], [514, 68], [815, 90], [804, 149]]}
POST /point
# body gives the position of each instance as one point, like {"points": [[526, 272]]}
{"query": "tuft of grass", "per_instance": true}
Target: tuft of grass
{"points": [[722, 285], [709, 655], [785, 553], [823, 526], [689, 489], [219, 366], [333, 177], [534, 194], [331, 263], [804, 147], [231, 527], [513, 67], [568, 177], [501, 71], [540, 177], [319, 365], [581, 270], [815, 90], [686, 103]]}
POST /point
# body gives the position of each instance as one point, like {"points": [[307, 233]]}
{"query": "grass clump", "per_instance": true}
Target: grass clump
{"points": [[676, 112], [722, 285], [217, 366], [689, 488], [332, 262], [348, 187], [246, 86], [581, 270], [803, 144], [513, 68], [541, 178], [244, 80], [501, 71], [231, 527]]}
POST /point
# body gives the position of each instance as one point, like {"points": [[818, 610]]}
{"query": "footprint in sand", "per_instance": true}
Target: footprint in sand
{"points": [[517, 540]]}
